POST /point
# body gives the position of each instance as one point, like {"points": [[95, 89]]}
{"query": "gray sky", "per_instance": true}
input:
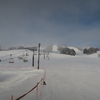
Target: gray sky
{"points": [[61, 22]]}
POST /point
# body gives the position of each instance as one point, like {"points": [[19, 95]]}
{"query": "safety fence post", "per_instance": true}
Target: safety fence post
{"points": [[12, 98], [41, 87], [44, 77], [37, 92]]}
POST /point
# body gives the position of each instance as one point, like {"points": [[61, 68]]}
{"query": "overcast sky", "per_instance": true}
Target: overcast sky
{"points": [[61, 22]]}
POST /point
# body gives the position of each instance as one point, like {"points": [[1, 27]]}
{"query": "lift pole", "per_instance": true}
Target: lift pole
{"points": [[44, 54], [38, 55], [33, 58]]}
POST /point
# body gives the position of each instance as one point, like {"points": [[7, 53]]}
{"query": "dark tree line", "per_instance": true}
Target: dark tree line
{"points": [[90, 50], [67, 51]]}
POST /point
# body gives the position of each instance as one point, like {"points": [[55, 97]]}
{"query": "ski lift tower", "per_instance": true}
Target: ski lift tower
{"points": [[33, 58]]}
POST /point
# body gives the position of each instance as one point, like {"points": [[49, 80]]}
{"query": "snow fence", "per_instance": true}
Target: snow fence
{"points": [[41, 82]]}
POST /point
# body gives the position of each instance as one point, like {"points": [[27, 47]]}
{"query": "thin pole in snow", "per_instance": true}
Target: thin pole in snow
{"points": [[44, 54], [33, 58], [37, 92], [12, 98], [38, 55]]}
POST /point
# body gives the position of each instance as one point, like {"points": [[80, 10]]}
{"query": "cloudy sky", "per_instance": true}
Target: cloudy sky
{"points": [[61, 22]]}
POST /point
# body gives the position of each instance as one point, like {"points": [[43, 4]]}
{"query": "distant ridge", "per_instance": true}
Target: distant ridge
{"points": [[52, 48], [57, 48]]}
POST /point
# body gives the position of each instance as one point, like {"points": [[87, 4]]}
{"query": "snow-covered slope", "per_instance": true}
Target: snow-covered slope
{"points": [[78, 52], [67, 77], [54, 48], [76, 49]]}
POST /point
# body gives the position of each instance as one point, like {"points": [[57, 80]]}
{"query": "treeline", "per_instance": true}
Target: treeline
{"points": [[91, 50], [22, 47], [68, 51]]}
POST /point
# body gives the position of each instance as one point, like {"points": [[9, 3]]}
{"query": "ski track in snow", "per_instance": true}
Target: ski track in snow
{"points": [[16, 77], [74, 78]]}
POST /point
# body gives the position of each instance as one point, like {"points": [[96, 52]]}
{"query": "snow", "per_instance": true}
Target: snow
{"points": [[67, 77], [78, 52], [73, 48], [54, 48]]}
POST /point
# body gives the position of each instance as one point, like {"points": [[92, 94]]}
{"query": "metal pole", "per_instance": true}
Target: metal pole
{"points": [[44, 54], [38, 55], [33, 58]]}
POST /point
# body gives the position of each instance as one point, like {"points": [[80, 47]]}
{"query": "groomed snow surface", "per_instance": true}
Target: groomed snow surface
{"points": [[67, 77]]}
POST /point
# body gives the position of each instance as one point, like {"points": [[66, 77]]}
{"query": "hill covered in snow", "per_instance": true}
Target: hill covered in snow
{"points": [[70, 50], [67, 77], [57, 49]]}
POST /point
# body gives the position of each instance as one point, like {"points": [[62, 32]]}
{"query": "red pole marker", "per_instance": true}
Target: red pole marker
{"points": [[37, 92], [12, 98], [41, 88]]}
